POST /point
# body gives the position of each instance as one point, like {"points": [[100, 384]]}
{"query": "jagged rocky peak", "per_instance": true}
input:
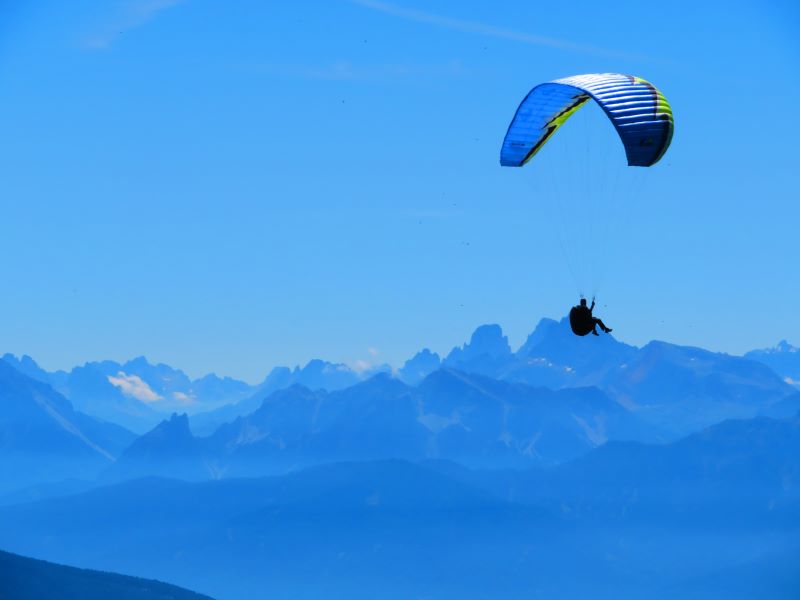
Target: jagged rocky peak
{"points": [[176, 427], [486, 340], [419, 366], [546, 330], [784, 347], [138, 361]]}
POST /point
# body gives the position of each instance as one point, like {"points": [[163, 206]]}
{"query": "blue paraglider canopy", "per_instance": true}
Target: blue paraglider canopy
{"points": [[638, 110]]}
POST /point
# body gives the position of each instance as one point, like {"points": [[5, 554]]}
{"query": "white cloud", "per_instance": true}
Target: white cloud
{"points": [[184, 398], [134, 15], [483, 29], [133, 387], [359, 366], [373, 351]]}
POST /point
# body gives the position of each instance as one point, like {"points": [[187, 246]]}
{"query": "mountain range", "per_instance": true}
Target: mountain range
{"points": [[662, 471], [137, 394], [483, 406], [783, 358], [470, 419], [714, 515], [134, 394]]}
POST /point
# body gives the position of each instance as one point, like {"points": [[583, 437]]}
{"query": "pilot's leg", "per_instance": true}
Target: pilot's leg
{"points": [[602, 325]]}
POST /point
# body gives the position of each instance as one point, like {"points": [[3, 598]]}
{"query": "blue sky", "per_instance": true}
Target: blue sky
{"points": [[229, 187]]}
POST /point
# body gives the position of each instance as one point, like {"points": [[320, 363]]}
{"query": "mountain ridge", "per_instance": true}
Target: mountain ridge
{"points": [[135, 393], [26, 578], [42, 437], [537, 527]]}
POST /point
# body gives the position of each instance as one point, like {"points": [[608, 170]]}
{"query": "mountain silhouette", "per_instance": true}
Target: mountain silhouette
{"points": [[419, 366], [553, 356], [42, 438], [315, 375], [135, 394], [738, 471], [486, 353], [29, 367], [474, 420], [677, 389], [783, 358], [169, 449], [629, 517], [684, 389], [24, 578], [138, 395]]}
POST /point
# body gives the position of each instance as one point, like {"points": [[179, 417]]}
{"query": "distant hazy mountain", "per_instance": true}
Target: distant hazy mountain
{"points": [[685, 389], [675, 395], [29, 579], [788, 406], [553, 356], [476, 420], [676, 388], [743, 471], [299, 427], [784, 359], [715, 515], [659, 392], [315, 375], [27, 366], [469, 419], [419, 366], [42, 438], [91, 390], [169, 449], [160, 386], [48, 489], [135, 394], [490, 474], [257, 538], [486, 353]]}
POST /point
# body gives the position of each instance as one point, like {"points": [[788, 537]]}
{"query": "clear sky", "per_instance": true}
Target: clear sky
{"points": [[227, 186]]}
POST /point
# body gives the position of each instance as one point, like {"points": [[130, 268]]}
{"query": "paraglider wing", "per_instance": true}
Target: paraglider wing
{"points": [[639, 112]]}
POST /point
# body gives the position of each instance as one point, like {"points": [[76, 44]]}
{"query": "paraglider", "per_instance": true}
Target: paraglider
{"points": [[638, 111], [583, 322]]}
